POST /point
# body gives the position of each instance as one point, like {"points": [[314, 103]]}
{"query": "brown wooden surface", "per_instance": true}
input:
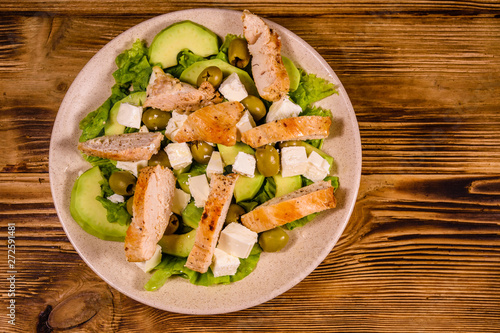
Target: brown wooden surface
{"points": [[422, 249]]}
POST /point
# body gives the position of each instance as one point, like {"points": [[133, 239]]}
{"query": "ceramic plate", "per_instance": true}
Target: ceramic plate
{"points": [[275, 272]]}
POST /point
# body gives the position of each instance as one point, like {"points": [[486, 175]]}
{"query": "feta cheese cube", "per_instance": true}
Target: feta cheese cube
{"points": [[245, 123], [150, 264], [224, 264], [199, 188], [215, 164], [179, 155], [129, 115], [284, 108], [232, 89], [293, 161], [143, 129], [116, 198], [317, 167], [244, 164], [237, 240], [174, 124], [180, 201], [133, 167]]}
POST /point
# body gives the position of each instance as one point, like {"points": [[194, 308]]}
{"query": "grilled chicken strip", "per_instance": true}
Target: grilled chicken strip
{"points": [[269, 73], [212, 220], [290, 207], [123, 147], [214, 123], [152, 207], [168, 93], [295, 128]]}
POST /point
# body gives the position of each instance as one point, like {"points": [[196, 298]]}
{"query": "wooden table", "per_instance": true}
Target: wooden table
{"points": [[422, 249]]}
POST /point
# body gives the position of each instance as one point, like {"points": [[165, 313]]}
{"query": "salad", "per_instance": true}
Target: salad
{"points": [[188, 59]]}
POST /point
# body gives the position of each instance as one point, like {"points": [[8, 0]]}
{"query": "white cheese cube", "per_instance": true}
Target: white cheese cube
{"points": [[237, 240], [133, 167], [215, 165], [143, 129], [293, 161], [152, 78], [244, 164], [232, 89], [199, 188], [116, 198], [224, 264], [174, 124], [148, 265], [129, 115], [284, 108], [180, 201], [317, 167], [179, 155], [245, 123]]}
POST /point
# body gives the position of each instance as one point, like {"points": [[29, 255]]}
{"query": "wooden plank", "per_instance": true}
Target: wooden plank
{"points": [[388, 68], [419, 250], [276, 7]]}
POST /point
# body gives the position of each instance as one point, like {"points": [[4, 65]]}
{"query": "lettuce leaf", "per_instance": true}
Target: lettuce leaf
{"points": [[116, 212], [185, 58], [133, 67], [133, 70], [311, 89], [171, 265]]}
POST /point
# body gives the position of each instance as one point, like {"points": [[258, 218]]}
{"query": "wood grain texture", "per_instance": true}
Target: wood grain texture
{"points": [[421, 252]]}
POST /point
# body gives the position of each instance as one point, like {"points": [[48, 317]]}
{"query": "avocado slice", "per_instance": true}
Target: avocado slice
{"points": [[293, 73], [179, 36], [285, 185], [178, 245], [190, 74], [228, 153], [191, 215], [88, 212], [246, 188], [112, 126]]}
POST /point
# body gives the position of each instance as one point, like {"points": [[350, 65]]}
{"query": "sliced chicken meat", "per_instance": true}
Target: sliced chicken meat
{"points": [[214, 123], [295, 128], [269, 73], [167, 93], [152, 208], [212, 220]]}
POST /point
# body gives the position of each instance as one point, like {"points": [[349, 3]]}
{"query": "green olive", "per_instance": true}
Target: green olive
{"points": [[234, 212], [173, 225], [237, 53], [273, 240], [130, 204], [155, 119], [122, 182], [255, 106], [160, 158], [212, 74], [201, 151], [268, 160]]}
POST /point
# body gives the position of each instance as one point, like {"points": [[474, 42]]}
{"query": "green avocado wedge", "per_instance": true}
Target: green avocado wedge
{"points": [[112, 126], [293, 73], [179, 36], [88, 212], [246, 188], [285, 185], [178, 245], [228, 153], [190, 74]]}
